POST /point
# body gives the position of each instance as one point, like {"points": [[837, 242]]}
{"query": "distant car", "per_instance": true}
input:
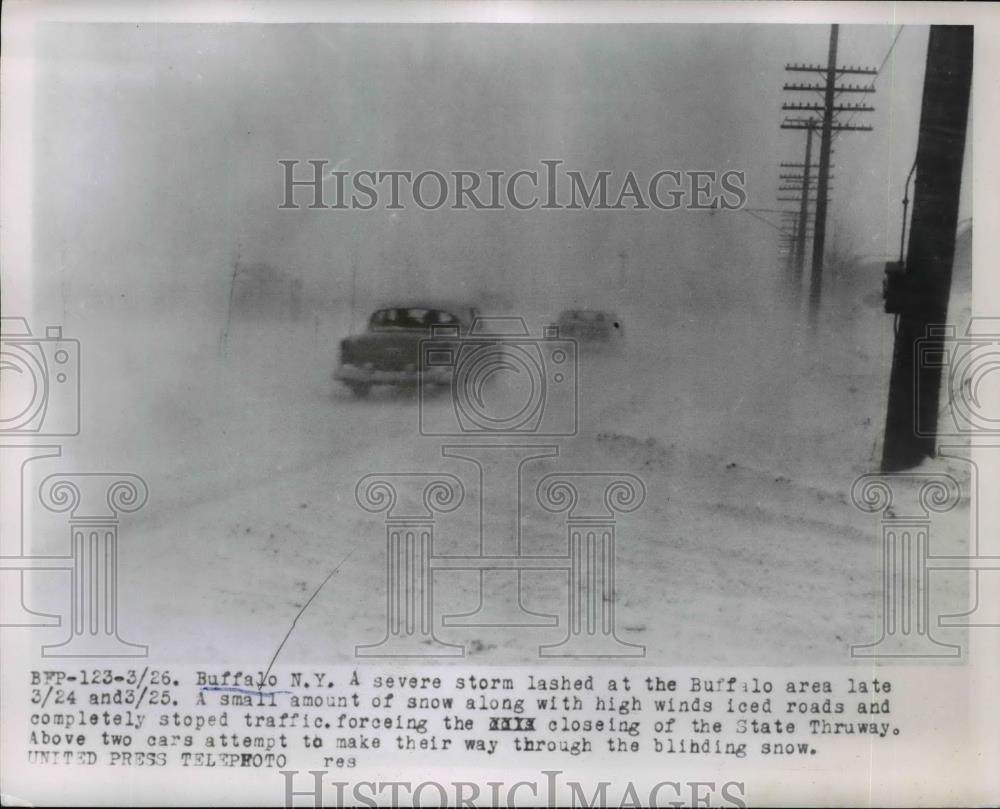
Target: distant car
{"points": [[591, 326], [387, 353]]}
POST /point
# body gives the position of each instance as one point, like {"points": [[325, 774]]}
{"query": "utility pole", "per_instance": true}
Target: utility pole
{"points": [[789, 240], [828, 126], [826, 135], [800, 247], [789, 218], [796, 200], [795, 218], [800, 187], [919, 293]]}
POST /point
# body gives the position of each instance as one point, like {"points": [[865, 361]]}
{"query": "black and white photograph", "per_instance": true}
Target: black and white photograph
{"points": [[476, 404]]}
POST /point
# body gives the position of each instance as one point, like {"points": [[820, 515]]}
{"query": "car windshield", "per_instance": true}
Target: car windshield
{"points": [[410, 318]]}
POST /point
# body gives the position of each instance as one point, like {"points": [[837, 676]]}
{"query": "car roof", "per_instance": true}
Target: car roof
{"points": [[452, 307]]}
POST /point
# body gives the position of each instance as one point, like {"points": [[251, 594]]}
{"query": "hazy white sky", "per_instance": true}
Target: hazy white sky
{"points": [[158, 148]]}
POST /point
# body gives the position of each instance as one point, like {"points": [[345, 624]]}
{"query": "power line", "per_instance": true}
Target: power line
{"points": [[761, 218], [886, 59]]}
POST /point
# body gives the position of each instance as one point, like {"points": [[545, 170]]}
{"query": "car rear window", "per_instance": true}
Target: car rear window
{"points": [[410, 318]]}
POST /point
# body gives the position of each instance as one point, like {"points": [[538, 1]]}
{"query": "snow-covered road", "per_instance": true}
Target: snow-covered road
{"points": [[747, 548]]}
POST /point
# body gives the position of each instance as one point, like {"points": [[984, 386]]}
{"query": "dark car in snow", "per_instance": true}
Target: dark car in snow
{"points": [[591, 326], [388, 351]]}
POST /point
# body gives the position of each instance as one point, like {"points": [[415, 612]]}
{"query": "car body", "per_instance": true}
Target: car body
{"points": [[591, 326], [388, 351]]}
